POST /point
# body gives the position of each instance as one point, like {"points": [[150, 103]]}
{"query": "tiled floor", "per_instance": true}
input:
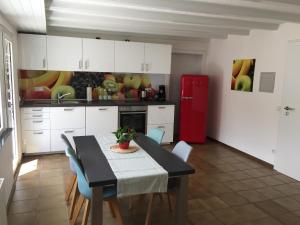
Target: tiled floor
{"points": [[227, 189]]}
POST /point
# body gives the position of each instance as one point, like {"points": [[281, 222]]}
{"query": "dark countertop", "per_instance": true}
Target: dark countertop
{"points": [[73, 103]]}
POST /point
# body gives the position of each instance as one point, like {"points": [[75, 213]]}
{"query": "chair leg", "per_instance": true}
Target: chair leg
{"points": [[160, 195], [170, 203], [78, 207], [116, 208], [111, 209], [70, 187], [86, 212], [149, 210], [74, 196]]}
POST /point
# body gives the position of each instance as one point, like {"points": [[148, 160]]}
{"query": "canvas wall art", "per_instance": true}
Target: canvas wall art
{"points": [[242, 75]]}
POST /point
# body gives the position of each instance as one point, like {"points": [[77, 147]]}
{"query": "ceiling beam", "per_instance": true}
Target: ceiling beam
{"points": [[134, 14], [98, 25], [153, 24], [196, 8]]}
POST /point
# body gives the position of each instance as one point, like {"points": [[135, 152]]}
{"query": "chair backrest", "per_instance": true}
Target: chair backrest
{"points": [[182, 150], [69, 150], [83, 185], [156, 134]]}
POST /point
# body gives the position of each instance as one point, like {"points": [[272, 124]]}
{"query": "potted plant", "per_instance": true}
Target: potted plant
{"points": [[124, 136]]}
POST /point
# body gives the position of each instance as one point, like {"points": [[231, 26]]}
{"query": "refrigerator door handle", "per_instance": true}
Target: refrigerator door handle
{"points": [[186, 97]]}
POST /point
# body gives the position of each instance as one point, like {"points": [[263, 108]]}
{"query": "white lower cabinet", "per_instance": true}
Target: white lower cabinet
{"points": [[101, 120], [37, 141], [67, 117], [57, 143], [162, 116]]}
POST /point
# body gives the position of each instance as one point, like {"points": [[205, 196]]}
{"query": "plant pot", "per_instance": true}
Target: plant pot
{"points": [[124, 145]]}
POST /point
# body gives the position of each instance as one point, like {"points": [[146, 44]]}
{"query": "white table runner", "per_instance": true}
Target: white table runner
{"points": [[137, 173]]}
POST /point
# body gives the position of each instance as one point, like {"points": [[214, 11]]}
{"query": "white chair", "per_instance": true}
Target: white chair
{"points": [[183, 151]]}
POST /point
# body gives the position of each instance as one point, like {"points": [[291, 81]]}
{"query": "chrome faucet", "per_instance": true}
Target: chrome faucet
{"points": [[60, 97]]}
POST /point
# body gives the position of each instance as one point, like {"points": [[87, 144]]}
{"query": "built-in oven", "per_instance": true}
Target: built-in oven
{"points": [[134, 117]]}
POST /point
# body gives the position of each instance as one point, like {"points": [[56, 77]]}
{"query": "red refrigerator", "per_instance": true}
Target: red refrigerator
{"points": [[193, 108]]}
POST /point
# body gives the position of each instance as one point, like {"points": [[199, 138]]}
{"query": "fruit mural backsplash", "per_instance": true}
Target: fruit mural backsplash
{"points": [[242, 75], [36, 85]]}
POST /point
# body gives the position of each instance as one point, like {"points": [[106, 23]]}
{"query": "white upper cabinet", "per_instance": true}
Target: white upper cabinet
{"points": [[98, 55], [64, 53], [129, 57], [158, 58], [32, 51]]}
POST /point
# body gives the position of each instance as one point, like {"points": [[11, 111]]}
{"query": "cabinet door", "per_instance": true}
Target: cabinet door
{"points": [[32, 51], [129, 57], [168, 128], [67, 117], [57, 144], [158, 58], [160, 114], [98, 55], [64, 53], [37, 141], [101, 120]]}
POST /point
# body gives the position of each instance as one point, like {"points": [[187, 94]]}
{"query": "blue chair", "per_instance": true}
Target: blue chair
{"points": [[156, 134], [109, 194]]}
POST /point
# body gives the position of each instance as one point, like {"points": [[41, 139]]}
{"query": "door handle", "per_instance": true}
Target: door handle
{"points": [[289, 108]]}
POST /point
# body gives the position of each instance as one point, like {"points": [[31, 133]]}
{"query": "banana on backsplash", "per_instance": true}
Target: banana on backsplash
{"points": [[236, 67], [63, 79], [46, 79]]}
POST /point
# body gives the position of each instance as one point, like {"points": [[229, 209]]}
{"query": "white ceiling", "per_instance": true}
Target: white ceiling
{"points": [[178, 19], [25, 15]]}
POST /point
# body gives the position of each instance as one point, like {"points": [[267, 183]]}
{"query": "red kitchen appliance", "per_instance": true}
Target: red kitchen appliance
{"points": [[193, 108]]}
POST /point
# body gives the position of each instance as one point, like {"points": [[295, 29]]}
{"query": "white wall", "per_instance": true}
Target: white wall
{"points": [[248, 121]]}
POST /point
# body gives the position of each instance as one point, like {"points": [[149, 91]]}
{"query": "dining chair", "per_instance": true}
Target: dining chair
{"points": [[182, 150], [156, 134], [84, 199], [72, 191]]}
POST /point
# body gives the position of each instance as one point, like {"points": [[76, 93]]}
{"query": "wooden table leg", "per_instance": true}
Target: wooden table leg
{"points": [[97, 206], [181, 201]]}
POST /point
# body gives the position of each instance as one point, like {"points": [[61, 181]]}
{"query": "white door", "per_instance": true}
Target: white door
{"points": [[158, 58], [98, 55], [129, 57], [64, 53], [287, 158], [101, 120], [32, 51]]}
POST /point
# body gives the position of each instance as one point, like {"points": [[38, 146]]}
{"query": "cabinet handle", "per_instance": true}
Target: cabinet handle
{"points": [[161, 107], [36, 110], [44, 63], [37, 121], [143, 66], [68, 131], [87, 64], [80, 64], [40, 132], [37, 116], [147, 67], [68, 109], [162, 127], [102, 109]]}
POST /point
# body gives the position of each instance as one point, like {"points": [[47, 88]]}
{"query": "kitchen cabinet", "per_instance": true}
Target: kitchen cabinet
{"points": [[57, 144], [129, 57], [67, 117], [98, 55], [64, 53], [35, 130], [162, 116], [101, 120], [32, 52], [158, 58]]}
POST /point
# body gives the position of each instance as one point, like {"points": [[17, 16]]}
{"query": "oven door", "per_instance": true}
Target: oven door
{"points": [[135, 120]]}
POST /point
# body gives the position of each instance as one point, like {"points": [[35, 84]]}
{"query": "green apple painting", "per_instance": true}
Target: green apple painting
{"points": [[47, 85], [242, 75]]}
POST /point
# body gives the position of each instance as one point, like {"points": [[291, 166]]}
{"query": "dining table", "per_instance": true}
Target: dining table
{"points": [[99, 173]]}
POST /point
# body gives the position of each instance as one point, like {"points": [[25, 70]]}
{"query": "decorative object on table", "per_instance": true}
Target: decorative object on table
{"points": [[116, 148], [124, 135], [242, 75]]}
